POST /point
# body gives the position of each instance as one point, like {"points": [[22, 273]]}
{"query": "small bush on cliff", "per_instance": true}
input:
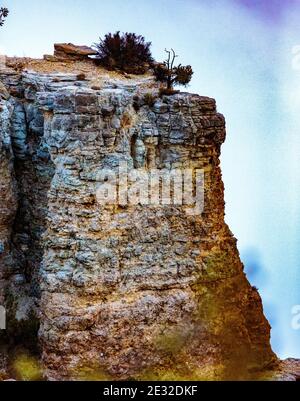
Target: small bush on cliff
{"points": [[3, 14], [149, 99], [81, 77], [172, 75], [126, 52]]}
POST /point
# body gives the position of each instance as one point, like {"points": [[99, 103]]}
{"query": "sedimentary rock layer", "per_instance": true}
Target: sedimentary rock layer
{"points": [[121, 290]]}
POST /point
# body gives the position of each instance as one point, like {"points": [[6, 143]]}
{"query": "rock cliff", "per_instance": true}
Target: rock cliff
{"points": [[117, 290]]}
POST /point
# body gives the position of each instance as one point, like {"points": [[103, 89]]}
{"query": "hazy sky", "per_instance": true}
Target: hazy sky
{"points": [[241, 51]]}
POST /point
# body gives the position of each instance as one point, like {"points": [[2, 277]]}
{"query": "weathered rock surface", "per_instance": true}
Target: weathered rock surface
{"points": [[287, 370], [72, 52], [120, 291]]}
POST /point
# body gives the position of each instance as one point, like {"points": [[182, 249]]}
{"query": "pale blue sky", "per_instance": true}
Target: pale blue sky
{"points": [[241, 52]]}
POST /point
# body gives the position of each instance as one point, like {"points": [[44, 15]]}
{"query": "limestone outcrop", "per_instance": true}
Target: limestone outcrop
{"points": [[119, 290], [68, 51]]}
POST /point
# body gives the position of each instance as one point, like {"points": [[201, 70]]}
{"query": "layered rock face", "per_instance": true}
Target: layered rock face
{"points": [[151, 290], [8, 205]]}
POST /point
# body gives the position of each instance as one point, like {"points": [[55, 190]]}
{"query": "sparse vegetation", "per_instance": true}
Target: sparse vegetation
{"points": [[172, 75], [3, 14], [126, 52], [149, 99], [81, 77], [167, 92]]}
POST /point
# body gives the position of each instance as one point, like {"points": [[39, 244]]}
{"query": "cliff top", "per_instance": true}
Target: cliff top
{"points": [[85, 69]]}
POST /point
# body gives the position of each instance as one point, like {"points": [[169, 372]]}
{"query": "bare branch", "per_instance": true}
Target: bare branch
{"points": [[173, 59], [169, 58]]}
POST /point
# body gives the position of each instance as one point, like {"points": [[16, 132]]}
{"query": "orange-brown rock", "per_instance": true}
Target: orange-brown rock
{"points": [[72, 52]]}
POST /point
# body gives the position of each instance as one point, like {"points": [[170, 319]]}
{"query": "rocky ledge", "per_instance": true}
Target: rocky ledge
{"points": [[70, 52], [119, 291]]}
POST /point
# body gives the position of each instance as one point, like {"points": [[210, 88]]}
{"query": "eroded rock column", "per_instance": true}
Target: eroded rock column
{"points": [[141, 291]]}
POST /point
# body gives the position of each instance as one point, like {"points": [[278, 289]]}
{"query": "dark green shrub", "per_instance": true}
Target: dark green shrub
{"points": [[160, 72], [171, 75], [126, 52], [183, 74]]}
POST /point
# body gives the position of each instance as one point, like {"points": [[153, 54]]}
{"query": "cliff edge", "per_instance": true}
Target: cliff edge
{"points": [[142, 289]]}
